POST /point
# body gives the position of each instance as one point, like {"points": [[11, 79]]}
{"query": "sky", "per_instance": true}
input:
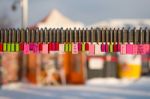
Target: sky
{"points": [[86, 11]]}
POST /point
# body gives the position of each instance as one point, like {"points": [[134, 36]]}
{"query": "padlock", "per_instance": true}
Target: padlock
{"points": [[23, 37], [75, 44], [53, 45], [110, 39], [31, 40], [115, 47], [45, 48], [103, 43], [50, 38], [135, 46], [45, 42], [62, 39], [66, 41], [36, 41], [70, 40], [13, 40], [129, 46], [1, 39], [91, 45], [18, 40], [40, 44], [87, 40], [146, 41], [118, 40], [83, 39], [106, 40], [141, 45], [9, 40], [79, 40], [123, 45], [57, 39], [26, 49], [5, 40], [33, 45], [97, 44]]}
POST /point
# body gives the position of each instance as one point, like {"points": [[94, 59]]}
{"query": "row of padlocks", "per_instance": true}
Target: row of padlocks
{"points": [[94, 40]]}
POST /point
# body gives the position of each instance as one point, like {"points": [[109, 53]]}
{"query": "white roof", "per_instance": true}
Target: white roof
{"points": [[56, 20]]}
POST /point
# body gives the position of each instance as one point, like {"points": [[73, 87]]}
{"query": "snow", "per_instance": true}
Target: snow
{"points": [[139, 89], [110, 82], [12, 86]]}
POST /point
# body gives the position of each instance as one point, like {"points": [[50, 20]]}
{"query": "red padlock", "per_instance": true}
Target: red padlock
{"points": [[106, 47], [1, 47], [49, 46], [21, 45], [53, 46], [40, 46], [115, 49], [118, 47], [56, 46], [86, 46]]}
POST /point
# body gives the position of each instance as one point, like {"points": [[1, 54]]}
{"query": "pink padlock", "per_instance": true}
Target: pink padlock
{"points": [[31, 46], [26, 48], [123, 49], [123, 45], [91, 49], [141, 49], [79, 46], [146, 42], [75, 48], [135, 45], [146, 48], [129, 49], [36, 48], [45, 48], [135, 49], [61, 48], [141, 45]]}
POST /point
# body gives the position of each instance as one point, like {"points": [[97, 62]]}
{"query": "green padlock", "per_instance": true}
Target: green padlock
{"points": [[8, 47], [70, 47], [4, 47], [17, 47], [12, 47], [83, 47], [13, 38], [110, 47], [9, 40], [110, 35], [66, 47], [16, 40]]}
